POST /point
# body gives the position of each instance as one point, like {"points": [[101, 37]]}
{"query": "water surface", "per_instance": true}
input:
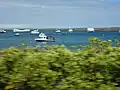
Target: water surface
{"points": [[76, 38]]}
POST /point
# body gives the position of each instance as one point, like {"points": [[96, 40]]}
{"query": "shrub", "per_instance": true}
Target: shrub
{"points": [[94, 67]]}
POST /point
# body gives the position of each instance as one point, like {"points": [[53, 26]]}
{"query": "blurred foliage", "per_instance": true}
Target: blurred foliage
{"points": [[94, 67]]}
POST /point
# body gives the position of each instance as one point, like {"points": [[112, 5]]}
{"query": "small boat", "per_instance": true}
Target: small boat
{"points": [[43, 38], [90, 29], [34, 32], [119, 31], [57, 31], [2, 31], [17, 34], [18, 30], [70, 30]]}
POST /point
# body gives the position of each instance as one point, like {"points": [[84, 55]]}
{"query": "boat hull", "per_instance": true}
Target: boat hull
{"points": [[16, 35], [58, 32], [41, 40], [90, 31], [45, 40], [2, 32], [20, 31], [34, 33]]}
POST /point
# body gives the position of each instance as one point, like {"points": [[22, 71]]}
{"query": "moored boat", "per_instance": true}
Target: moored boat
{"points": [[70, 30], [34, 32], [58, 31], [43, 38], [17, 34], [119, 31], [18, 30], [2, 31], [90, 29]]}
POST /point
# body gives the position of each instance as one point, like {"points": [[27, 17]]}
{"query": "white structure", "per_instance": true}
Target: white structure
{"points": [[42, 35], [90, 29], [17, 30], [34, 32], [2, 31], [57, 31], [70, 30]]}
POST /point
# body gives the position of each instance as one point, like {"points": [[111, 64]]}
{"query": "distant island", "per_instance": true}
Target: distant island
{"points": [[82, 29]]}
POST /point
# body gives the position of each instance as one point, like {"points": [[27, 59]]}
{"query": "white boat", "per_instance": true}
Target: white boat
{"points": [[18, 30], [119, 31], [57, 31], [90, 29], [70, 30], [43, 38], [17, 34], [34, 32], [2, 31]]}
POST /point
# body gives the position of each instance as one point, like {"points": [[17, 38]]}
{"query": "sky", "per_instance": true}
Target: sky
{"points": [[59, 13]]}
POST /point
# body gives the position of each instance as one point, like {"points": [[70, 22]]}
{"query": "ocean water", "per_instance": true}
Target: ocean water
{"points": [[75, 38]]}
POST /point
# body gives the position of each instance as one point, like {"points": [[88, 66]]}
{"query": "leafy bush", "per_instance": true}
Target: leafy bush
{"points": [[94, 67]]}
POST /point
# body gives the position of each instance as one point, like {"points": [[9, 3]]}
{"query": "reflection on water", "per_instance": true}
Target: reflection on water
{"points": [[41, 43]]}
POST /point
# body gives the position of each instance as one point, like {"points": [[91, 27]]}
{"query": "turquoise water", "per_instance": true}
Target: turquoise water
{"points": [[76, 38]]}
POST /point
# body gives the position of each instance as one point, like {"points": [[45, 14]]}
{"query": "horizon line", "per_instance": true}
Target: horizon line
{"points": [[62, 27]]}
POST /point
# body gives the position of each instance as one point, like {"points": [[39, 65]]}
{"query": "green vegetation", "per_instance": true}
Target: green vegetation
{"points": [[94, 67]]}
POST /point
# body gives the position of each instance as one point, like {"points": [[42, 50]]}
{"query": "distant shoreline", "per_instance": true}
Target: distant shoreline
{"points": [[81, 29]]}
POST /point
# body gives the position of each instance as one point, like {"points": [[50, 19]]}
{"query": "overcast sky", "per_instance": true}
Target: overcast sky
{"points": [[59, 13]]}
